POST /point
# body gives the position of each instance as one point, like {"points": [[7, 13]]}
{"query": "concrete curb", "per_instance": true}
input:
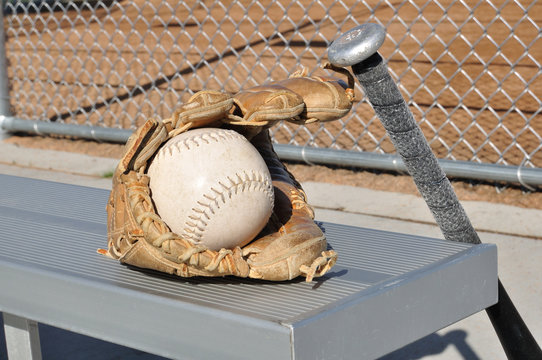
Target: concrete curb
{"points": [[485, 216], [59, 161]]}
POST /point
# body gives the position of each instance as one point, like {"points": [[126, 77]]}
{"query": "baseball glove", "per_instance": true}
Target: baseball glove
{"points": [[290, 245]]}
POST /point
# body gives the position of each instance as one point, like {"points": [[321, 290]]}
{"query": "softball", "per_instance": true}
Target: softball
{"points": [[211, 186]]}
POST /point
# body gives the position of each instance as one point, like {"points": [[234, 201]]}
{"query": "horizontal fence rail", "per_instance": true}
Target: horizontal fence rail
{"points": [[469, 70]]}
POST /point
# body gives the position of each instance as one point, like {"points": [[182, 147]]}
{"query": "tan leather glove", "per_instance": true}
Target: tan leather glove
{"points": [[290, 245]]}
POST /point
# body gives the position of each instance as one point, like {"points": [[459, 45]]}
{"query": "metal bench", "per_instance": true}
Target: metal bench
{"points": [[387, 289]]}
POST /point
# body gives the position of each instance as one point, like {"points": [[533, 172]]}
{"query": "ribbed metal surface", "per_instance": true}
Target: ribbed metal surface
{"points": [[63, 226], [49, 198], [398, 254]]}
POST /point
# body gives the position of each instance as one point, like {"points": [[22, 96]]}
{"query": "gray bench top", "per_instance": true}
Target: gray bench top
{"points": [[386, 290]]}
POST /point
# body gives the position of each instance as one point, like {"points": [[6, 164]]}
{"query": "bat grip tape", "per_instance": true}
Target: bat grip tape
{"points": [[411, 145]]}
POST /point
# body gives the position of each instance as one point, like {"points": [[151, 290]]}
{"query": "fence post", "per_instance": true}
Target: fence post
{"points": [[5, 110]]}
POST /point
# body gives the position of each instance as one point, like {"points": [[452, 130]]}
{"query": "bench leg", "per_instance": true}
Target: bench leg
{"points": [[22, 338]]}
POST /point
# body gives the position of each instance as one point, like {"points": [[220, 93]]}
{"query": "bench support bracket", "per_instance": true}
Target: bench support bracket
{"points": [[22, 338]]}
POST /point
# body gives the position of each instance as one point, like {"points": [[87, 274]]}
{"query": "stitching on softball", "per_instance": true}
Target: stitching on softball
{"points": [[199, 139], [220, 193]]}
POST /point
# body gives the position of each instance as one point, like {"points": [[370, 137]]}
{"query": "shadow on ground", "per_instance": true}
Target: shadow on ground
{"points": [[61, 344], [435, 344]]}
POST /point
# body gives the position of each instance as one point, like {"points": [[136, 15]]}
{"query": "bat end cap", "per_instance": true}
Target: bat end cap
{"points": [[356, 45]]}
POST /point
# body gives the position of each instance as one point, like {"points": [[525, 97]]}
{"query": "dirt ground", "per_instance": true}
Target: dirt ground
{"points": [[466, 190]]}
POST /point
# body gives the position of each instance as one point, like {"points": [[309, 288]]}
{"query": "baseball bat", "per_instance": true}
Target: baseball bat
{"points": [[358, 48]]}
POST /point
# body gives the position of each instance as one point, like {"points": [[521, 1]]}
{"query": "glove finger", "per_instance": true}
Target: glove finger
{"points": [[141, 145], [286, 256], [204, 108], [326, 98], [265, 105]]}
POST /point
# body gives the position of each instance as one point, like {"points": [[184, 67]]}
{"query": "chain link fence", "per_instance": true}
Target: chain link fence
{"points": [[470, 70]]}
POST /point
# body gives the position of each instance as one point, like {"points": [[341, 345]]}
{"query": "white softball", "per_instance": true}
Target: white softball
{"points": [[211, 186]]}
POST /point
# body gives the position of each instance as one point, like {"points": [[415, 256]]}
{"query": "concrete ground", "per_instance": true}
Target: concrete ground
{"points": [[516, 231]]}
